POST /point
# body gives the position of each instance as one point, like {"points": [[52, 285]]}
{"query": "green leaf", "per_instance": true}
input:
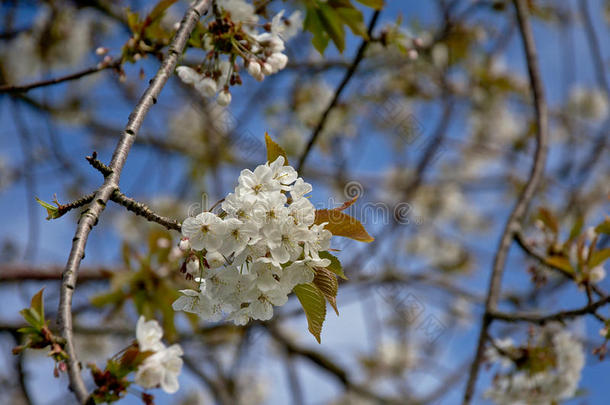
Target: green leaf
{"points": [[313, 303], [160, 9], [604, 227], [32, 317], [314, 25], [548, 219], [196, 39], [52, 210], [598, 257], [132, 21], [374, 4], [37, 304], [354, 20], [112, 297], [331, 21], [327, 282], [340, 224], [130, 360], [126, 255], [560, 262], [576, 228], [274, 150], [26, 330], [335, 264]]}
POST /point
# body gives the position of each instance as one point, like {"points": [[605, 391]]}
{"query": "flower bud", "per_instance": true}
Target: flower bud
{"points": [[597, 274], [267, 69], [187, 75], [184, 244], [192, 266], [224, 98], [254, 68], [277, 61]]}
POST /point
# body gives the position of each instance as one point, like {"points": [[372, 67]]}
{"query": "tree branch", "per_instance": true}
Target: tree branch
{"points": [[520, 239], [21, 372], [217, 389], [7, 88], [142, 210], [600, 75], [512, 224], [348, 75], [24, 272], [558, 316], [594, 47], [90, 216], [99, 166], [64, 208], [132, 205]]}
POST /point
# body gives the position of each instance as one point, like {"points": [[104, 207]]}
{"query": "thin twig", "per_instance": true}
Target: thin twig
{"points": [[520, 239], [557, 317], [142, 210], [98, 165], [90, 216], [64, 208], [132, 205], [594, 47], [21, 371], [600, 75], [217, 389], [293, 380], [7, 88], [348, 75], [512, 224]]}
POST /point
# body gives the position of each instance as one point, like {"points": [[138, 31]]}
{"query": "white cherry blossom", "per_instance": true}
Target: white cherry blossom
{"points": [[319, 241], [283, 241], [239, 235], [302, 211], [299, 189], [148, 335], [289, 27], [163, 366], [205, 230], [161, 369]]}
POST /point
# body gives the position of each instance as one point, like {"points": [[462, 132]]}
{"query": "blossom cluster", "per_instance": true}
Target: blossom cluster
{"points": [[556, 360], [234, 32], [249, 258], [164, 365]]}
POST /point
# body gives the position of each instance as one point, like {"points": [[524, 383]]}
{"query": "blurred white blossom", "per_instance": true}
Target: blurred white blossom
{"points": [[161, 369], [556, 360]]}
